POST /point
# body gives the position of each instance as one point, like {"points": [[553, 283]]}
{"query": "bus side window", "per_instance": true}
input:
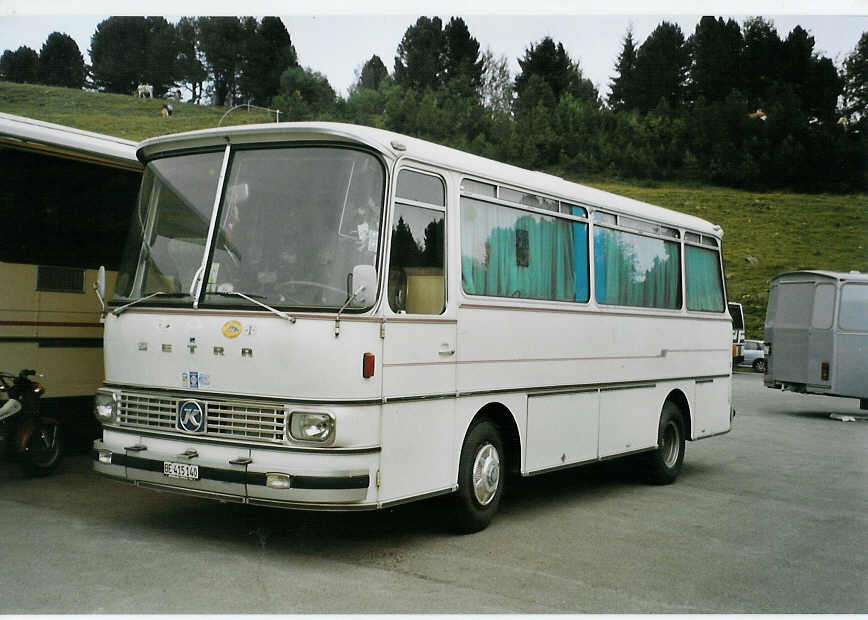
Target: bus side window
{"points": [[416, 266]]}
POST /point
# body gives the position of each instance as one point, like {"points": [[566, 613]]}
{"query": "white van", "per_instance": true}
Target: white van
{"points": [[816, 334]]}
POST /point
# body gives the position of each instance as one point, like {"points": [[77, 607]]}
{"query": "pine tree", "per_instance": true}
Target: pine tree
{"points": [[462, 66], [558, 72], [661, 68], [715, 59], [61, 62], [373, 73], [856, 79], [623, 86], [419, 63]]}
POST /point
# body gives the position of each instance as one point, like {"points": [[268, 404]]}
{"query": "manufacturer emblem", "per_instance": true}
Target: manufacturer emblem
{"points": [[191, 417], [231, 329]]}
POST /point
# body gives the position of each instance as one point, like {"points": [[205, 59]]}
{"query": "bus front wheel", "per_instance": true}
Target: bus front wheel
{"points": [[481, 477], [664, 464]]}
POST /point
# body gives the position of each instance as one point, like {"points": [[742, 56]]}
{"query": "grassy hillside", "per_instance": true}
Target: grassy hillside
{"points": [[782, 231], [116, 115]]}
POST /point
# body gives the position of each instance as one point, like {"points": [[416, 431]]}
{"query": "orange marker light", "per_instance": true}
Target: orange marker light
{"points": [[368, 365]]}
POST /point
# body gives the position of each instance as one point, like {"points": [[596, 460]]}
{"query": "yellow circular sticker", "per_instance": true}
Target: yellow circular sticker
{"points": [[231, 329]]}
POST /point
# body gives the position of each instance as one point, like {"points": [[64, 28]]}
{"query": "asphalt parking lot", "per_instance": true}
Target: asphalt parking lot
{"points": [[771, 518]]}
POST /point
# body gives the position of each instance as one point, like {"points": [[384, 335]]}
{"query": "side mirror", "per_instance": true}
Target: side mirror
{"points": [[99, 286], [364, 285]]}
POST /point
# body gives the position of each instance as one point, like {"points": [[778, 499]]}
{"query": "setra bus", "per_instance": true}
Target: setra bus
{"points": [[330, 317], [65, 201]]}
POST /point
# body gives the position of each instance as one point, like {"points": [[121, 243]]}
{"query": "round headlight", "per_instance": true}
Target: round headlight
{"points": [[306, 426], [105, 406]]}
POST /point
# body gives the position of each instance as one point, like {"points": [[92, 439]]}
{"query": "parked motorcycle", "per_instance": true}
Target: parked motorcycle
{"points": [[36, 440]]}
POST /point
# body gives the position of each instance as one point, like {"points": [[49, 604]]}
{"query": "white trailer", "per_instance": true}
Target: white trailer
{"points": [[816, 334]]}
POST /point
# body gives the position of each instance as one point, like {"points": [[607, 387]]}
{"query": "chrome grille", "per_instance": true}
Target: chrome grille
{"points": [[226, 418]]}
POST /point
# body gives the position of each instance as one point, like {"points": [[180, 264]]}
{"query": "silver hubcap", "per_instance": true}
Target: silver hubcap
{"points": [[671, 444], [486, 474]]}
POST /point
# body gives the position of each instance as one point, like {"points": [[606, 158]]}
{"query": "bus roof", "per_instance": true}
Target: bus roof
{"points": [[853, 276], [394, 145], [20, 132]]}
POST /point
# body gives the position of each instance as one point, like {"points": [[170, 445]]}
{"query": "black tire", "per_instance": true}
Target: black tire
{"points": [[759, 365], [44, 450], [482, 462], [664, 464]]}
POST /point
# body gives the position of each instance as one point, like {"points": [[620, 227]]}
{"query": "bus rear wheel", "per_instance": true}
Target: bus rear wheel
{"points": [[481, 477], [664, 464]]}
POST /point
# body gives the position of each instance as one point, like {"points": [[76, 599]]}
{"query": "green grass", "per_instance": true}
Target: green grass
{"points": [[123, 116], [784, 231]]}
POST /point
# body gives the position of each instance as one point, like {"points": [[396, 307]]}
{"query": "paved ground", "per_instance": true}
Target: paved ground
{"points": [[770, 518]]}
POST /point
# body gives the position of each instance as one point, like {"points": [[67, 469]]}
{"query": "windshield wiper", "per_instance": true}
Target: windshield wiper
{"points": [[118, 311], [236, 293], [251, 299]]}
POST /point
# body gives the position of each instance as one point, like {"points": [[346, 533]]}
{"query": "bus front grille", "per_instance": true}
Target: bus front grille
{"points": [[225, 418]]}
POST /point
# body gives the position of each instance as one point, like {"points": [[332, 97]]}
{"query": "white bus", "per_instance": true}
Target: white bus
{"points": [[816, 333], [65, 202], [324, 316]]}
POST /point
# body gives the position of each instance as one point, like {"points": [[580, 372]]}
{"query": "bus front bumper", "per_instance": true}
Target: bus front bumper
{"points": [[255, 475]]}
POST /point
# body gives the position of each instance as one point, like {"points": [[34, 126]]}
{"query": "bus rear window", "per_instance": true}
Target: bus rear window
{"points": [[702, 275]]}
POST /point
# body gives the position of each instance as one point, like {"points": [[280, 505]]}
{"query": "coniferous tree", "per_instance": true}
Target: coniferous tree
{"points": [[856, 79], [623, 87], [823, 87], [373, 73], [61, 62], [22, 65], [118, 52], [268, 52], [661, 68], [761, 70], [462, 66], [557, 71], [221, 40], [161, 55], [715, 50], [419, 62]]}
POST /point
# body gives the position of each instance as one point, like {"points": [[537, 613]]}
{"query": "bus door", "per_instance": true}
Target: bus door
{"points": [[419, 341]]}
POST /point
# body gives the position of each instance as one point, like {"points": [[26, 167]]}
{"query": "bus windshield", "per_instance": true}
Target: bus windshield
{"points": [[293, 223]]}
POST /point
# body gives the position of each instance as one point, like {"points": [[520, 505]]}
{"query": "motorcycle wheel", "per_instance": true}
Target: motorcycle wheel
{"points": [[44, 450]]}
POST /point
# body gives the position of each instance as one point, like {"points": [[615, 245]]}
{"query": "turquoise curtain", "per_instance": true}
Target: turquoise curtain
{"points": [[702, 273], [512, 253], [633, 270]]}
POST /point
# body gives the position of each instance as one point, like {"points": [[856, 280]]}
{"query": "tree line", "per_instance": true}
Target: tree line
{"points": [[730, 104]]}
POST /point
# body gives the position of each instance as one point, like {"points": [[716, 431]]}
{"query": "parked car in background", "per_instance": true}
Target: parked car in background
{"points": [[754, 355]]}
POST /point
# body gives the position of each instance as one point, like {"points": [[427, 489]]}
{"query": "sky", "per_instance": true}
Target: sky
{"points": [[336, 37]]}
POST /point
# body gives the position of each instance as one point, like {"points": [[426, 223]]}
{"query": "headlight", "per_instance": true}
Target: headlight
{"points": [[105, 406], [305, 426]]}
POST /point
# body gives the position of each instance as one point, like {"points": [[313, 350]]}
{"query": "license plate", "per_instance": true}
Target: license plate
{"points": [[181, 471]]}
